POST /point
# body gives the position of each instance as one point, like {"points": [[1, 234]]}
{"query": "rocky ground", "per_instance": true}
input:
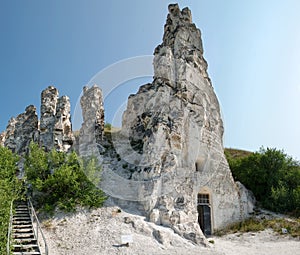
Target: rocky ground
{"points": [[100, 231]]}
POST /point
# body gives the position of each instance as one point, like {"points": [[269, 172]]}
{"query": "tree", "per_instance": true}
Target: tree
{"points": [[60, 180], [273, 177], [10, 189]]}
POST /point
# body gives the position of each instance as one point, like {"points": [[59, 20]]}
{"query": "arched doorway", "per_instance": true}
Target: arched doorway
{"points": [[204, 213]]}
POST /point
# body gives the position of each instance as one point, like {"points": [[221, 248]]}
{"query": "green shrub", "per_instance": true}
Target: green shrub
{"points": [[91, 169], [65, 180], [107, 126], [273, 176], [10, 189]]}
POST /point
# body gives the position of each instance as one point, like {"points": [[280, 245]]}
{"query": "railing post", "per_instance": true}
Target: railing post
{"points": [[9, 228], [37, 232], [38, 227]]}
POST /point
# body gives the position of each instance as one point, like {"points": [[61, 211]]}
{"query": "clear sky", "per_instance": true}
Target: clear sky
{"points": [[252, 49]]}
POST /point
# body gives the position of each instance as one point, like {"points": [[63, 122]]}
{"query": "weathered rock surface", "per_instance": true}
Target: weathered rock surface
{"points": [[92, 129], [55, 123], [2, 138], [22, 130], [53, 131], [167, 162], [99, 231], [172, 140], [63, 135], [8, 134], [49, 98]]}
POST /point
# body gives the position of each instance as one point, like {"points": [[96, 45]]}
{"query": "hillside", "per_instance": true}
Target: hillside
{"points": [[236, 153]]}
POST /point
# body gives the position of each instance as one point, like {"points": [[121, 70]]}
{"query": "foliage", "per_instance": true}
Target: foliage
{"points": [[235, 153], [91, 169], [59, 179], [10, 189], [273, 177], [107, 126]]}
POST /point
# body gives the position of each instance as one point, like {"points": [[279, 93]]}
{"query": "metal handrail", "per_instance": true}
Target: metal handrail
{"points": [[38, 226], [9, 228]]}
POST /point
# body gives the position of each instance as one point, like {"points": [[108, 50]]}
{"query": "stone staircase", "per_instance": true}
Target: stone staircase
{"points": [[24, 240]]}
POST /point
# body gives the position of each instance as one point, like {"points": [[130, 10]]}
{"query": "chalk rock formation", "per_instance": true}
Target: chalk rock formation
{"points": [[49, 98], [55, 122], [63, 135], [92, 129], [22, 130], [8, 140], [174, 129], [2, 138], [53, 131]]}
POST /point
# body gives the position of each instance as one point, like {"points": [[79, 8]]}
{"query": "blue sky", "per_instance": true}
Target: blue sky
{"points": [[252, 49]]}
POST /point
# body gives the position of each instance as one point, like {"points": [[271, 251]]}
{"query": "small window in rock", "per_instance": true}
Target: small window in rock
{"points": [[203, 198]]}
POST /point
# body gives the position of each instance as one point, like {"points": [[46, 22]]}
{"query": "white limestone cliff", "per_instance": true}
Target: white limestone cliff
{"points": [[175, 130]]}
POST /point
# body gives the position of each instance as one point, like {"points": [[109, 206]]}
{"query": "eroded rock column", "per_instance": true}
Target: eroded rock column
{"points": [[92, 129], [49, 98], [63, 135]]}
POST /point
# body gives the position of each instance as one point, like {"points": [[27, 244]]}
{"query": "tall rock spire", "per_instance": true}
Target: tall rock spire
{"points": [[177, 124], [92, 129], [49, 97]]}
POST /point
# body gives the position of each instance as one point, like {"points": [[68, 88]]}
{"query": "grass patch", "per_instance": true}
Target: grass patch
{"points": [[236, 154], [255, 225]]}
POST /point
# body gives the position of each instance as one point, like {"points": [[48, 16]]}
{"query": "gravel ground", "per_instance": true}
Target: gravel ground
{"points": [[99, 232]]}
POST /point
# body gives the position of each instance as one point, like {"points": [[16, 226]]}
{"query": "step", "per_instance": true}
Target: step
{"points": [[22, 230], [27, 253], [16, 217], [23, 235], [25, 241], [21, 209], [21, 226], [22, 219], [25, 212], [25, 247], [21, 222]]}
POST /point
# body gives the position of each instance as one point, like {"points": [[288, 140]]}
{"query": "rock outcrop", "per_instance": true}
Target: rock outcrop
{"points": [[174, 132], [167, 162], [92, 129], [55, 124], [2, 138], [22, 130], [63, 135], [53, 131], [8, 134], [49, 98]]}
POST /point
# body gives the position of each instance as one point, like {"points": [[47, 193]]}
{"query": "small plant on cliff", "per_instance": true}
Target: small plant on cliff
{"points": [[59, 180], [107, 126]]}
